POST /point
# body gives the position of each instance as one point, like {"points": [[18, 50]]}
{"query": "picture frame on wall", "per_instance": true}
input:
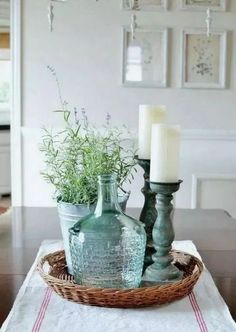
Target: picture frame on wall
{"points": [[202, 5], [145, 57], [204, 59], [144, 5]]}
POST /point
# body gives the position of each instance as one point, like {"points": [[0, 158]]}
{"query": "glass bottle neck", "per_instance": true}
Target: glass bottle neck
{"points": [[107, 194]]}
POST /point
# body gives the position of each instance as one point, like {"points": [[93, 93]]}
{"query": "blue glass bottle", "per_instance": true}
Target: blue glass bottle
{"points": [[107, 247]]}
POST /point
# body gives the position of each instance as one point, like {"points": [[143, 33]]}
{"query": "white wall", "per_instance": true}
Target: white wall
{"points": [[86, 50]]}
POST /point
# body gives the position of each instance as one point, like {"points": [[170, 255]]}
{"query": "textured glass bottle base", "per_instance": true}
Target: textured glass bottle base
{"points": [[107, 247], [116, 256]]}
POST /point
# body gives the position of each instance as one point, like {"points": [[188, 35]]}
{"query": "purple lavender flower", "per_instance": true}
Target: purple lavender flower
{"points": [[85, 117], [65, 103], [52, 70], [108, 118], [76, 113]]}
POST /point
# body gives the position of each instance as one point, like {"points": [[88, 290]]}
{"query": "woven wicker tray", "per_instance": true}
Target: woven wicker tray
{"points": [[52, 269]]}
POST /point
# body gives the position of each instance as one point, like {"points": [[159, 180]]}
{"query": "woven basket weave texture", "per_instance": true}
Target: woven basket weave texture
{"points": [[63, 284]]}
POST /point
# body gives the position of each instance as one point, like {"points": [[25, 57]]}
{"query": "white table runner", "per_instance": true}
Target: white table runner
{"points": [[38, 308]]}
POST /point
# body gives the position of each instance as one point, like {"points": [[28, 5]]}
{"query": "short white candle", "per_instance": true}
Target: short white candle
{"points": [[148, 115], [165, 150]]}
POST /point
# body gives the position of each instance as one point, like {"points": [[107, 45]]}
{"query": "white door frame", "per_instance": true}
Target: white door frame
{"points": [[16, 105]]}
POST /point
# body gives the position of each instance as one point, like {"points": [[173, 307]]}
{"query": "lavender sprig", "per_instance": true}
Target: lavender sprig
{"points": [[76, 114], [63, 102], [108, 118]]}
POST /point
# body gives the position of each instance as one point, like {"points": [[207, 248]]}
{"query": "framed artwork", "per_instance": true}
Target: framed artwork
{"points": [[5, 70], [202, 5], [146, 5], [204, 59], [145, 57]]}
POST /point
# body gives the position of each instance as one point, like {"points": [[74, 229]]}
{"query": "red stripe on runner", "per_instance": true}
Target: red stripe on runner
{"points": [[42, 310], [196, 313], [200, 313]]}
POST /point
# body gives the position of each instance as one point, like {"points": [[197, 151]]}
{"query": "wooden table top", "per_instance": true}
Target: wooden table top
{"points": [[22, 231]]}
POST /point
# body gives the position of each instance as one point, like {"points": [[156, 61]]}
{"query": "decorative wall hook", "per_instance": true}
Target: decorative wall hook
{"points": [[51, 13], [208, 21], [134, 4], [50, 16], [133, 26]]}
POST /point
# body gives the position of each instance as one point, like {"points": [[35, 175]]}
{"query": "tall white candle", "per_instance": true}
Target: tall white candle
{"points": [[148, 115], [165, 150]]}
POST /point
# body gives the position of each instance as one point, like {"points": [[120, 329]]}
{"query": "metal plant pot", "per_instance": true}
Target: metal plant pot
{"points": [[69, 214]]}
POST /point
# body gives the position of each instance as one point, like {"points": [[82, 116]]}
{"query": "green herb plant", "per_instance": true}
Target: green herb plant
{"points": [[76, 155]]}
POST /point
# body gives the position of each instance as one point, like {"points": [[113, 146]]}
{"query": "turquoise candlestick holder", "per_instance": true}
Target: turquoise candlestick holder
{"points": [[162, 270], [149, 212]]}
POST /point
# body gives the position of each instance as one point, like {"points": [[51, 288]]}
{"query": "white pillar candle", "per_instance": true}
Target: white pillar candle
{"points": [[165, 150], [148, 115]]}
